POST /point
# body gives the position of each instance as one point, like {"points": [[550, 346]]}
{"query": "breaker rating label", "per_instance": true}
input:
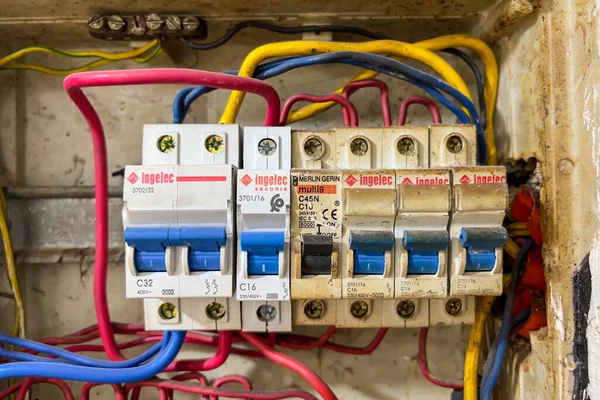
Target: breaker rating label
{"points": [[263, 289], [151, 285], [375, 179], [479, 176], [423, 178], [316, 203], [263, 191]]}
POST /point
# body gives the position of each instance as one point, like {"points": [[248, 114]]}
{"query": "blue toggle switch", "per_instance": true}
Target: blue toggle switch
{"points": [[150, 244], [423, 248], [481, 245], [369, 249], [263, 249], [204, 245]]}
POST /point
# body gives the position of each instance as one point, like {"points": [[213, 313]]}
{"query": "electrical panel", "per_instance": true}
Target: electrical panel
{"points": [[354, 227]]}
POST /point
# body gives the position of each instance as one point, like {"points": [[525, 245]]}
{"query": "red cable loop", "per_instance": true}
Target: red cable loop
{"points": [[352, 87], [450, 384], [344, 102], [86, 389], [433, 110]]}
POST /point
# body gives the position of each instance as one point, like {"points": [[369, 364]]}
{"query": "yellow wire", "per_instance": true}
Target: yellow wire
{"points": [[516, 225], [11, 269], [475, 339], [511, 248], [89, 53], [519, 232], [87, 67], [388, 47], [440, 43]]}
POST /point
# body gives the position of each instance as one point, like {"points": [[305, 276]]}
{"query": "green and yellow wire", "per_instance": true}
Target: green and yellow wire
{"points": [[142, 55]]}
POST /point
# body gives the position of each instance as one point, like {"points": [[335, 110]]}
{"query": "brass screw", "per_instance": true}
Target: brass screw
{"points": [[173, 23], [454, 307], [96, 21], [359, 146], [214, 144], [190, 24], [454, 144], [405, 309], [266, 313], [314, 309], [406, 146], [166, 143], [167, 311], [154, 22], [267, 147], [215, 311], [313, 147], [116, 23], [359, 309]]}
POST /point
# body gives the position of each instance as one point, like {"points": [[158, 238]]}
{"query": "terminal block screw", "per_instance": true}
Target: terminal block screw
{"points": [[190, 24], [313, 147], [173, 23], [96, 21], [214, 144], [454, 307], [266, 313], [405, 309], [314, 309], [116, 23], [359, 309], [215, 311], [406, 146], [154, 22], [267, 147], [359, 146], [166, 143], [167, 311], [454, 144]]}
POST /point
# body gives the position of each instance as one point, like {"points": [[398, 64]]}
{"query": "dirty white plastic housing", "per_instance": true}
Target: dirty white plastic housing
{"points": [[263, 206], [192, 186], [480, 201], [439, 315], [424, 202], [405, 147], [390, 316]]}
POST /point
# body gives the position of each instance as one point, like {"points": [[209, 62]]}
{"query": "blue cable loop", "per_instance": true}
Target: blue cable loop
{"points": [[173, 343], [73, 357], [427, 82]]}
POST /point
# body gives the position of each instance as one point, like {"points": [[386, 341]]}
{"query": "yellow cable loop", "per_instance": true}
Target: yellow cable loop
{"points": [[387, 47], [475, 339], [11, 269], [89, 53], [436, 44]]}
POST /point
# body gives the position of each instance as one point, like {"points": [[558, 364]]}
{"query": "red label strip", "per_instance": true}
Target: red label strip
{"points": [[201, 178]]}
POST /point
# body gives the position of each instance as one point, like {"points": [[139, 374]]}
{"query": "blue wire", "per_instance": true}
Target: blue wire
{"points": [[364, 60], [174, 341], [74, 357], [517, 320], [20, 356], [488, 384]]}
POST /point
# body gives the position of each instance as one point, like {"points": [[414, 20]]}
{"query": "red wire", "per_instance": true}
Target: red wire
{"points": [[344, 102], [187, 377], [73, 85], [26, 384], [223, 351], [433, 110], [224, 380], [212, 391], [86, 389], [310, 345], [450, 384], [385, 96], [293, 340], [284, 360]]}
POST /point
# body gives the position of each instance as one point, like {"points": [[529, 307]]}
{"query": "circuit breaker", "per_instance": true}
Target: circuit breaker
{"points": [[263, 215], [179, 221]]}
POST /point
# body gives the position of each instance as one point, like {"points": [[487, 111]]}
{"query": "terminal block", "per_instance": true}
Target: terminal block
{"points": [[179, 226], [263, 205]]}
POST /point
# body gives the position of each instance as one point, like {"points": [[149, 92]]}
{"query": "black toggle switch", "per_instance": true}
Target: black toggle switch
{"points": [[316, 254]]}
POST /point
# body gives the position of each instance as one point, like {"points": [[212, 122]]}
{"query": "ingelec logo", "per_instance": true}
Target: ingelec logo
{"points": [[133, 178], [151, 179]]}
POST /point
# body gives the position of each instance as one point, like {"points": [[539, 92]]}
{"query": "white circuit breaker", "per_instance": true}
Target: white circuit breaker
{"points": [[179, 221], [263, 215]]}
